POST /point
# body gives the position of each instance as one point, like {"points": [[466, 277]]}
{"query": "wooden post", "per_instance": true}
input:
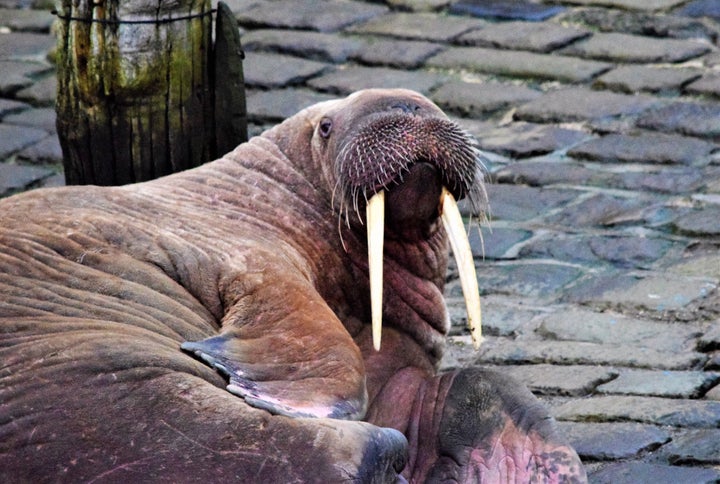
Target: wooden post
{"points": [[135, 89]]}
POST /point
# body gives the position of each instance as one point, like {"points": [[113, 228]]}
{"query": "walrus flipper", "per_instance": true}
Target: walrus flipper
{"points": [[263, 386], [284, 350]]}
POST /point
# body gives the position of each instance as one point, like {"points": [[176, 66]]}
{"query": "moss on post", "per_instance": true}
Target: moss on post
{"points": [[135, 94]]}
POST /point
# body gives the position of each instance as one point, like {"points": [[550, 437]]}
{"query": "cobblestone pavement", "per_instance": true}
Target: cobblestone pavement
{"points": [[601, 123]]}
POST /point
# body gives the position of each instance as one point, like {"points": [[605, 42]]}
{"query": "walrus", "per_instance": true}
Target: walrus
{"points": [[217, 324]]}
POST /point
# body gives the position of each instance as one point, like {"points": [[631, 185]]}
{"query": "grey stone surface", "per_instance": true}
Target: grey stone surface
{"points": [[634, 473], [598, 209], [670, 384], [532, 36], [495, 243], [571, 380], [499, 319], [514, 202], [609, 328], [656, 292], [609, 441], [357, 77], [45, 151], [10, 106], [646, 147], [640, 23], [518, 64], [274, 106], [25, 46], [700, 446], [503, 351], [313, 45], [268, 70], [322, 16], [408, 54], [13, 138], [543, 279], [14, 178], [578, 103], [633, 4], [693, 119], [40, 93], [620, 47], [708, 85], [26, 20], [543, 173], [654, 410], [636, 78], [417, 26], [41, 118], [521, 140], [474, 99], [503, 10], [704, 221], [17, 75]]}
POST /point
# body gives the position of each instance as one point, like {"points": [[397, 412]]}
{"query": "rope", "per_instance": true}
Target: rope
{"points": [[130, 22]]}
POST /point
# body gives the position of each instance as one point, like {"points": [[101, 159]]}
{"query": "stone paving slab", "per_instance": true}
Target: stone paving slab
{"points": [[670, 384], [522, 140], [503, 351], [25, 46], [518, 64], [579, 104], [689, 118], [418, 26], [354, 78], [532, 36], [610, 328], [632, 78], [654, 292], [14, 178], [701, 446], [517, 202], [274, 106], [611, 441], [654, 410], [572, 380], [624, 251], [473, 99], [277, 70], [322, 16], [618, 47], [312, 45], [407, 54], [634, 473], [646, 148], [14, 138], [503, 10]]}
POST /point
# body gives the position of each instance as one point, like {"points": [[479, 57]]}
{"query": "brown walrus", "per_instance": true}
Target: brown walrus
{"points": [[256, 263]]}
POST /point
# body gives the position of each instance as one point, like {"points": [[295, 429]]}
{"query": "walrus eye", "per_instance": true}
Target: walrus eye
{"points": [[325, 127]]}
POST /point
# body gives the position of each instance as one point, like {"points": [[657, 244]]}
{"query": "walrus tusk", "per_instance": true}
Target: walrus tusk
{"points": [[376, 234], [452, 220]]}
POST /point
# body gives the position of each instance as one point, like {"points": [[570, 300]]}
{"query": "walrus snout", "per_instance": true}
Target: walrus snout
{"points": [[406, 148]]}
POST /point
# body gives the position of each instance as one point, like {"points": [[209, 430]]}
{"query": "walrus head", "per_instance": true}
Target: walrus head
{"points": [[404, 161]]}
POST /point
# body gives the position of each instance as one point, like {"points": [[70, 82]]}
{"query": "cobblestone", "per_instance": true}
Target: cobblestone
{"points": [[600, 125], [609, 441]]}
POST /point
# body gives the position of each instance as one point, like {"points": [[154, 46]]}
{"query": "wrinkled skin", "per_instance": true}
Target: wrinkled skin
{"points": [[248, 263]]}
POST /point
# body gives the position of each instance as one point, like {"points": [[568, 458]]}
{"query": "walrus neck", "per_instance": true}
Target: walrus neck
{"points": [[414, 278]]}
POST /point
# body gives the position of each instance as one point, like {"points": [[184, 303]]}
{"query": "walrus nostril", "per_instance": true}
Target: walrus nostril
{"points": [[406, 107]]}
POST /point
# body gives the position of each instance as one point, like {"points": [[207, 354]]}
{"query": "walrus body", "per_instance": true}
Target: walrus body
{"points": [[255, 264]]}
